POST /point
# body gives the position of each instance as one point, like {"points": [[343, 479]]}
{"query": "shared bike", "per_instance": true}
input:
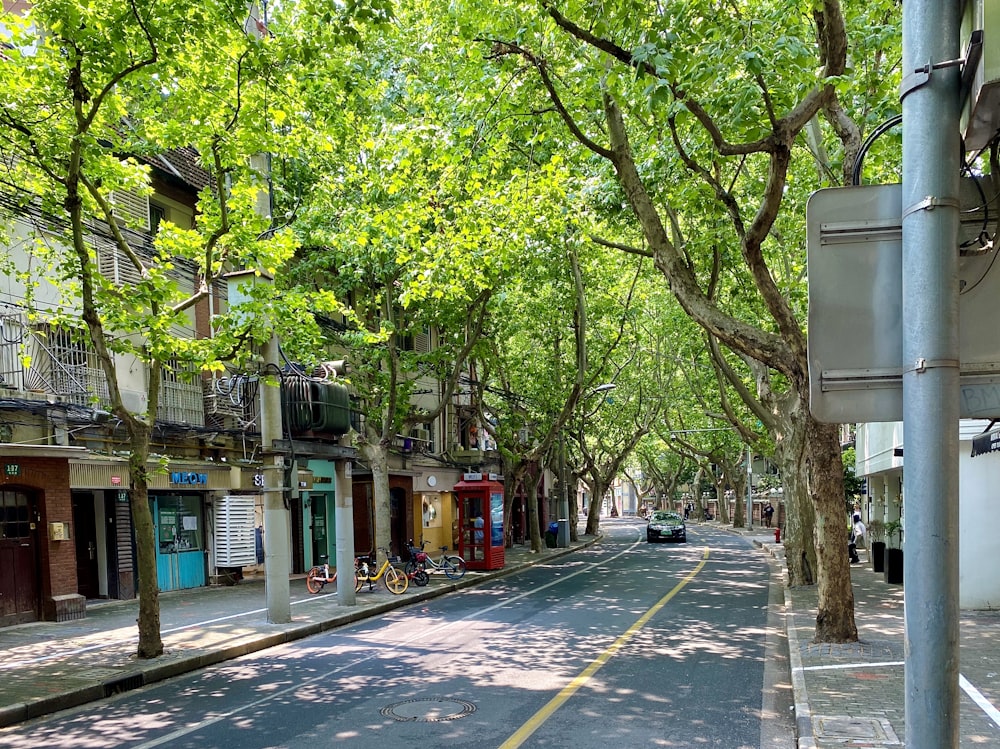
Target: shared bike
{"points": [[452, 565], [321, 574], [395, 581]]}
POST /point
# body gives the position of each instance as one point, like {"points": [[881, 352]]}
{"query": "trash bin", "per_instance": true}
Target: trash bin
{"points": [[562, 533], [552, 535]]}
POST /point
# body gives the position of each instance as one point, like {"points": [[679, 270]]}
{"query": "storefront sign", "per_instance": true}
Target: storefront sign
{"points": [[189, 479]]}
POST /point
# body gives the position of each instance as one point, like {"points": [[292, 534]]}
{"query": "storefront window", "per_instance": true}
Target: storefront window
{"points": [[179, 523], [431, 510]]}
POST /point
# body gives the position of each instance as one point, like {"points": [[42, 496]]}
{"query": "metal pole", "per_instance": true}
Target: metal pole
{"points": [[277, 562], [562, 539], [930, 220], [749, 519], [344, 519]]}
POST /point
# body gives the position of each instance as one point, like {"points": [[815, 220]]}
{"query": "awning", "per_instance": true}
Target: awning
{"points": [[986, 443]]}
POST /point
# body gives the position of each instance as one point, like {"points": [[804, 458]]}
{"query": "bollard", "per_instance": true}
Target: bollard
{"points": [[777, 535]]}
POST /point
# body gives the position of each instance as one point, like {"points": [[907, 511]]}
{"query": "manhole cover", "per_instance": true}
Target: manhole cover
{"points": [[428, 709], [854, 731]]}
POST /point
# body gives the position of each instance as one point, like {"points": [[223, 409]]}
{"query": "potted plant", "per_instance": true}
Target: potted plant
{"points": [[894, 552], [876, 532]]}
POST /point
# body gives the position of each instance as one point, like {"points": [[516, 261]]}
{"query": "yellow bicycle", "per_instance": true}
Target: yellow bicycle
{"points": [[395, 581]]}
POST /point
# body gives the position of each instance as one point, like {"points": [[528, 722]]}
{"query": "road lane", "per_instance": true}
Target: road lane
{"points": [[470, 669]]}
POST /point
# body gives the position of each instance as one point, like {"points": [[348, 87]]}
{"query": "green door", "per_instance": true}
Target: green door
{"points": [[320, 544]]}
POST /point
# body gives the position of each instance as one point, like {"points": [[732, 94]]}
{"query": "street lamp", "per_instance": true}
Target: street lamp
{"points": [[562, 538]]}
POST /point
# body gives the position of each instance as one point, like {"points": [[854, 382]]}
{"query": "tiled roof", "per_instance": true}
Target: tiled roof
{"points": [[183, 164]]}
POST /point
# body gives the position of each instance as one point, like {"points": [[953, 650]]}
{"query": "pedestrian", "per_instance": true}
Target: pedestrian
{"points": [[768, 514], [858, 530]]}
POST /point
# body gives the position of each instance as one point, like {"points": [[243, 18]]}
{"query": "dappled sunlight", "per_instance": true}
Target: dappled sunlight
{"points": [[528, 649], [85, 732]]}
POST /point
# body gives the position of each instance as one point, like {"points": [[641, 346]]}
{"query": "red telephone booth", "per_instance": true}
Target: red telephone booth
{"points": [[480, 519]]}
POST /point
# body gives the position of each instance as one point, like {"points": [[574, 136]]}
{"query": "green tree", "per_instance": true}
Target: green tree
{"points": [[102, 83], [701, 115]]}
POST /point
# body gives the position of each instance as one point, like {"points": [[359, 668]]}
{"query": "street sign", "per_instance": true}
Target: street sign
{"points": [[854, 251]]}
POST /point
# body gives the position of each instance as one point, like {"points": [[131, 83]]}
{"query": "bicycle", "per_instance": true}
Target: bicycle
{"points": [[452, 565], [395, 581], [319, 576]]}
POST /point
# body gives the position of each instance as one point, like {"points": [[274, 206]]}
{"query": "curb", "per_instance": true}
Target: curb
{"points": [[805, 739]]}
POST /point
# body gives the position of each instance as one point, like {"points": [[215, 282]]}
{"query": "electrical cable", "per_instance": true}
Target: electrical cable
{"points": [[876, 133]]}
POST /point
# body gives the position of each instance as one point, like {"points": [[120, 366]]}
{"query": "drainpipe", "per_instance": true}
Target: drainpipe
{"points": [[930, 219]]}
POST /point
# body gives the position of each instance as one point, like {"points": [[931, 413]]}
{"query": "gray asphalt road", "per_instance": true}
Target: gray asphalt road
{"points": [[625, 644]]}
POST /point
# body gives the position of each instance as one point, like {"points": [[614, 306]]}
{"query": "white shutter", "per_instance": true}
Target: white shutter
{"points": [[235, 544], [131, 209]]}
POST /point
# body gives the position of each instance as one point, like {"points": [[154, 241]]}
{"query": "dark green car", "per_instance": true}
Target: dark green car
{"points": [[666, 526]]}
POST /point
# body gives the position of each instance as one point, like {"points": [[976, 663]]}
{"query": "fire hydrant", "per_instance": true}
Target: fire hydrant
{"points": [[777, 535]]}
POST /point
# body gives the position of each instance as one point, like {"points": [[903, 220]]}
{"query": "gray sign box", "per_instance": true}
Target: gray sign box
{"points": [[854, 248]]}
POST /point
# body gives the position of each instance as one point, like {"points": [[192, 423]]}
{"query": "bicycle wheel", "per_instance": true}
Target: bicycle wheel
{"points": [[420, 577], [454, 567], [410, 568], [359, 582], [315, 580], [396, 581]]}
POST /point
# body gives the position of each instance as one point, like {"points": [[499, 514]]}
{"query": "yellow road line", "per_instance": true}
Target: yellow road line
{"points": [[536, 720]]}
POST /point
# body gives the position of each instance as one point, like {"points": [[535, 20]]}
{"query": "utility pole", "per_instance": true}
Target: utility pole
{"points": [[748, 522], [277, 557], [277, 563], [344, 519], [930, 220], [562, 538]]}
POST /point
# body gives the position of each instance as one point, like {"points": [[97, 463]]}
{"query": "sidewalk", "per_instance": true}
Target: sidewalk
{"points": [[50, 666], [852, 695]]}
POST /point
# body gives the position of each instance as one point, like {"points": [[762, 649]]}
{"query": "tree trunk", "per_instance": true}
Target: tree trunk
{"points": [[594, 512], [533, 532], [377, 455], [835, 615], [800, 511], [699, 506], [720, 493], [150, 642], [740, 490], [514, 472]]}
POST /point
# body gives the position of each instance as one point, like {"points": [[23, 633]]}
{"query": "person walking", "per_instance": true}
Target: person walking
{"points": [[768, 514], [858, 531]]}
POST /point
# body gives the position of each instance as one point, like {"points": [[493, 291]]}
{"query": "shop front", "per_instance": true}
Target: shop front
{"points": [[320, 512], [178, 501], [179, 523]]}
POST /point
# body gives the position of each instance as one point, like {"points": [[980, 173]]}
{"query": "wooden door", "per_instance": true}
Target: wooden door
{"points": [[18, 558]]}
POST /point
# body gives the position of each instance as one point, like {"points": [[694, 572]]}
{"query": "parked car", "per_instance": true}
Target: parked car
{"points": [[666, 526]]}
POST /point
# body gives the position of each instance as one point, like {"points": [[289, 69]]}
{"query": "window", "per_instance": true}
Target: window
{"points": [[72, 369], [157, 213], [15, 518], [181, 399]]}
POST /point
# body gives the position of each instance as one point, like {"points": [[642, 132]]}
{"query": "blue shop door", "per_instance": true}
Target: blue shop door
{"points": [[180, 554]]}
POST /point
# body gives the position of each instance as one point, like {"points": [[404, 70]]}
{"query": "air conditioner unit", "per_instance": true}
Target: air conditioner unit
{"points": [[424, 435]]}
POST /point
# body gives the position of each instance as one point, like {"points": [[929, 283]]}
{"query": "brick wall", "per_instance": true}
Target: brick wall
{"points": [[57, 582]]}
